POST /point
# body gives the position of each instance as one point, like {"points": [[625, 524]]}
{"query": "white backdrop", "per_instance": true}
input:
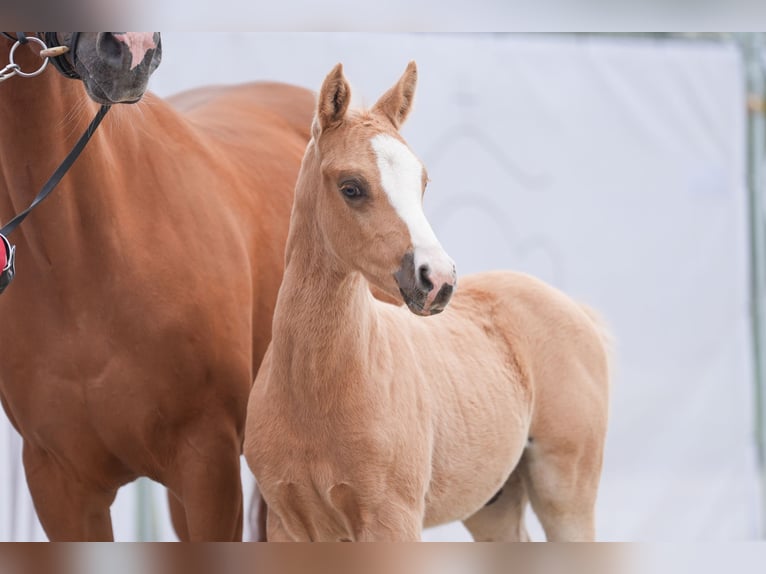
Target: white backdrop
{"points": [[613, 169]]}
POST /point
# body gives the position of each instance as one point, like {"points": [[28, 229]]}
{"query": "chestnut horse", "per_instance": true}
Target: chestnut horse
{"points": [[369, 422], [145, 285]]}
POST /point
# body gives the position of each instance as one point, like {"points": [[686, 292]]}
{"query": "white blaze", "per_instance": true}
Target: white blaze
{"points": [[401, 175]]}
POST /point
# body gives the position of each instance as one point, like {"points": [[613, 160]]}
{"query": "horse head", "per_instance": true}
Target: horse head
{"points": [[114, 66], [370, 207]]}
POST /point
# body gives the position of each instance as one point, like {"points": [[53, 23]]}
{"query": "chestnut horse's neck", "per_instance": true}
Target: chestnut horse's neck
{"points": [[326, 325], [40, 115], [42, 118]]}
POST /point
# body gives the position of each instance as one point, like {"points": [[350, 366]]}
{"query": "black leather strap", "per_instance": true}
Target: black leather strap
{"points": [[63, 64], [54, 180]]}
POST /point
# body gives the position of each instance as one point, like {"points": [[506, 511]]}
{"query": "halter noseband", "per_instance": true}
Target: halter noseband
{"points": [[62, 63]]}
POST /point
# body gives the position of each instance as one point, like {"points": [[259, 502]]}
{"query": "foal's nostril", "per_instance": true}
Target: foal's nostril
{"points": [[424, 282], [443, 296], [110, 49]]}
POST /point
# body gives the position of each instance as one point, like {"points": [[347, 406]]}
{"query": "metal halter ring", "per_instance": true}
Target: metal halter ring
{"points": [[37, 72]]}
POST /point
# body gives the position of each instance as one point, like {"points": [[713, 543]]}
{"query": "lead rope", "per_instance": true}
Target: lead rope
{"points": [[8, 256]]}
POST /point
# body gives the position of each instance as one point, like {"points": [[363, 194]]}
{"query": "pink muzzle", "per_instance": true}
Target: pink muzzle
{"points": [[139, 43]]}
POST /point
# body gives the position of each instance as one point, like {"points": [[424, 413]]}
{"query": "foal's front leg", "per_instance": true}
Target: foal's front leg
{"points": [[275, 530], [348, 521], [391, 523], [405, 530], [378, 511]]}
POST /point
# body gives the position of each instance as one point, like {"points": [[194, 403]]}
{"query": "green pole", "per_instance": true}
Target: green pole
{"points": [[756, 133], [146, 527]]}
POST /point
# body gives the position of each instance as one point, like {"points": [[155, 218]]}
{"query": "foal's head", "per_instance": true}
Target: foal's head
{"points": [[370, 205], [114, 66]]}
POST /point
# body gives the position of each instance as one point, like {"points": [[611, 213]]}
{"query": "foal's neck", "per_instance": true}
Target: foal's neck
{"points": [[325, 323]]}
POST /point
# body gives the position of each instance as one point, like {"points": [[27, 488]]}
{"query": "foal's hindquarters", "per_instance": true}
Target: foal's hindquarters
{"points": [[518, 382]]}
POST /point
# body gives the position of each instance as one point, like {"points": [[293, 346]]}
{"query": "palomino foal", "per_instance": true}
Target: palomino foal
{"points": [[368, 422]]}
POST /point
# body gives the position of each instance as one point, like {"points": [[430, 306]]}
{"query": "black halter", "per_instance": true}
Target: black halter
{"points": [[66, 66], [62, 63]]}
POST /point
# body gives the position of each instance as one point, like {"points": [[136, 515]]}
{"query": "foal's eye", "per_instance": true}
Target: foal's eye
{"points": [[352, 191]]}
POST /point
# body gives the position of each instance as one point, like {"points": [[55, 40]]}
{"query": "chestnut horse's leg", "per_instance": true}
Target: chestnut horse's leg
{"points": [[211, 488], [178, 517], [68, 509], [502, 520]]}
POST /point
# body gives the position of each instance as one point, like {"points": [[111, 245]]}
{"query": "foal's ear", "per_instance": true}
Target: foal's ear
{"points": [[397, 101], [333, 101]]}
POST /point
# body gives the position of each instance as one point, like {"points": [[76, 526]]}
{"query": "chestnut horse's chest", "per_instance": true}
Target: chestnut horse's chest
{"points": [[95, 381]]}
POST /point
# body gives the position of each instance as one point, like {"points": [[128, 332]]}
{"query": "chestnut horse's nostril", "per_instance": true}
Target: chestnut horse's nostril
{"points": [[424, 281], [110, 49]]}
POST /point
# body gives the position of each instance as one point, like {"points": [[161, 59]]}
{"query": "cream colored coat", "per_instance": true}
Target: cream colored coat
{"points": [[367, 422]]}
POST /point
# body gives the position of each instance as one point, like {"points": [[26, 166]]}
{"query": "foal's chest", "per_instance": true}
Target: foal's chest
{"points": [[329, 485]]}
